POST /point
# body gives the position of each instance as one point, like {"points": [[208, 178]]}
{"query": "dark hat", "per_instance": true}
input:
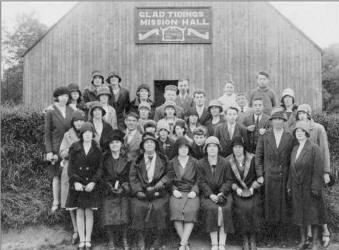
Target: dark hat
{"points": [[144, 86], [149, 136], [191, 111], [78, 115], [60, 91], [278, 112], [112, 74], [103, 90], [95, 105], [87, 126], [133, 114], [199, 131], [72, 87], [171, 87], [181, 141], [115, 135], [238, 140], [150, 123], [181, 123]]}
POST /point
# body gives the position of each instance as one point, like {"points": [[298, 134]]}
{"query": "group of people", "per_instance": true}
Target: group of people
{"points": [[236, 165]]}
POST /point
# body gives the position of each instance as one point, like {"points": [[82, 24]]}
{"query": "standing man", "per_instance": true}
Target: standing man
{"points": [[264, 92], [199, 105], [272, 160], [170, 95], [184, 100], [120, 98], [225, 132], [133, 136]]}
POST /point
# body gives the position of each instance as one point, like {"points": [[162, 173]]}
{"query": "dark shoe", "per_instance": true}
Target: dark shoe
{"points": [[309, 239], [75, 238]]}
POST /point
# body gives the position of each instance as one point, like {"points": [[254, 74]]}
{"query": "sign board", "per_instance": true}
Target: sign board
{"points": [[173, 25]]}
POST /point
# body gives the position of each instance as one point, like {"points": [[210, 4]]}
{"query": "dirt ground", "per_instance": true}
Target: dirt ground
{"points": [[45, 238]]}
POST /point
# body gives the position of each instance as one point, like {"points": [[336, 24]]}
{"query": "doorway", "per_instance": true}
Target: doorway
{"points": [[159, 89]]}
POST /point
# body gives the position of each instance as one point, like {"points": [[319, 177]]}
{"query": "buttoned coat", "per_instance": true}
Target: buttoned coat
{"points": [[221, 132], [219, 182], [305, 176], [273, 163], [106, 129], [84, 169], [205, 116]]}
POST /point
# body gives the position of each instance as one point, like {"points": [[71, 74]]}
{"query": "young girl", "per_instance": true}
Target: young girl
{"points": [[84, 171], [184, 202], [70, 137], [115, 207]]}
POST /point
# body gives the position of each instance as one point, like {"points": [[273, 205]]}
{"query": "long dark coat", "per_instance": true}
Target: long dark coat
{"points": [[273, 163], [247, 211], [84, 169], [121, 105], [106, 129], [205, 116], [305, 175], [221, 132], [253, 136], [115, 207], [90, 94], [185, 181], [197, 151], [209, 184], [55, 128], [150, 212]]}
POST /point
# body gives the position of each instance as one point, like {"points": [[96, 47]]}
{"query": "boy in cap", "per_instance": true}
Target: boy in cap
{"points": [[166, 144], [264, 92], [199, 138], [120, 98], [170, 95]]}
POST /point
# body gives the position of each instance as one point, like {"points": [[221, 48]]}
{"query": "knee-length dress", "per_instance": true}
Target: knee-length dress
{"points": [[305, 176], [214, 183], [84, 169], [115, 207], [69, 138], [150, 212], [185, 180], [247, 211]]}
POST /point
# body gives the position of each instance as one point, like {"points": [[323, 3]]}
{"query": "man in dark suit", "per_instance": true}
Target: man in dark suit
{"points": [[120, 98], [256, 123], [199, 105], [184, 100], [225, 132], [170, 95]]}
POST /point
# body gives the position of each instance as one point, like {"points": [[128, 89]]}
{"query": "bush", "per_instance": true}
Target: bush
{"points": [[26, 189]]}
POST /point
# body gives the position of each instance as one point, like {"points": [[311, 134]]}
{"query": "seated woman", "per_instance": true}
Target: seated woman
{"points": [[115, 205], [246, 193], [305, 184], [184, 202], [150, 178], [84, 171], [215, 181]]}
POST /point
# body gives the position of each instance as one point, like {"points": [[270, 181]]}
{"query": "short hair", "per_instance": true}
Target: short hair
{"points": [[263, 73], [184, 79], [231, 107], [257, 99], [199, 91], [200, 131]]}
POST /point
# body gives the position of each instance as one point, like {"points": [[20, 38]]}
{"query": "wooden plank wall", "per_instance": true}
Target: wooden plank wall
{"points": [[247, 37]]}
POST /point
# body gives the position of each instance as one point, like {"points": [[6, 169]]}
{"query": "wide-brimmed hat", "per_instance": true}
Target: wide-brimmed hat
{"points": [[95, 105], [78, 115], [238, 140], [211, 140], [181, 141], [287, 92], [149, 136], [150, 123], [304, 126], [305, 108], [60, 91], [103, 90], [87, 126], [143, 86], [278, 113], [112, 74], [192, 111], [215, 103], [162, 124], [114, 135]]}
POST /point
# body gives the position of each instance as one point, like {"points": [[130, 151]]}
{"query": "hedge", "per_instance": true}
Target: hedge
{"points": [[26, 189]]}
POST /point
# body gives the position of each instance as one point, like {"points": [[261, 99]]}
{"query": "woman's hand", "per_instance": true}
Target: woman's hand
{"points": [[214, 198], [327, 178], [177, 194], [49, 156], [239, 192], [78, 186], [89, 187], [192, 195]]}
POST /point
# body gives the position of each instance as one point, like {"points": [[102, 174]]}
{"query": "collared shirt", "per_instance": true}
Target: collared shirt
{"points": [[200, 110], [182, 97], [257, 118], [150, 165], [277, 136]]}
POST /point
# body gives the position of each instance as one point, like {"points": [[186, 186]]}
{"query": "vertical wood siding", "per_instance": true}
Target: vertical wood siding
{"points": [[247, 37]]}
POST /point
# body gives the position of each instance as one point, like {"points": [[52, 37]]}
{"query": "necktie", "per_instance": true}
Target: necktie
{"points": [[213, 169], [242, 109], [256, 121]]}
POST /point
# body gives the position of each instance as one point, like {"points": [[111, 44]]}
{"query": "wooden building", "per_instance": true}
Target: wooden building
{"points": [[142, 44]]}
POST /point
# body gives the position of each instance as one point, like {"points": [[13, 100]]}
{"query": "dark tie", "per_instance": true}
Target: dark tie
{"points": [[242, 109], [213, 169], [256, 121]]}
